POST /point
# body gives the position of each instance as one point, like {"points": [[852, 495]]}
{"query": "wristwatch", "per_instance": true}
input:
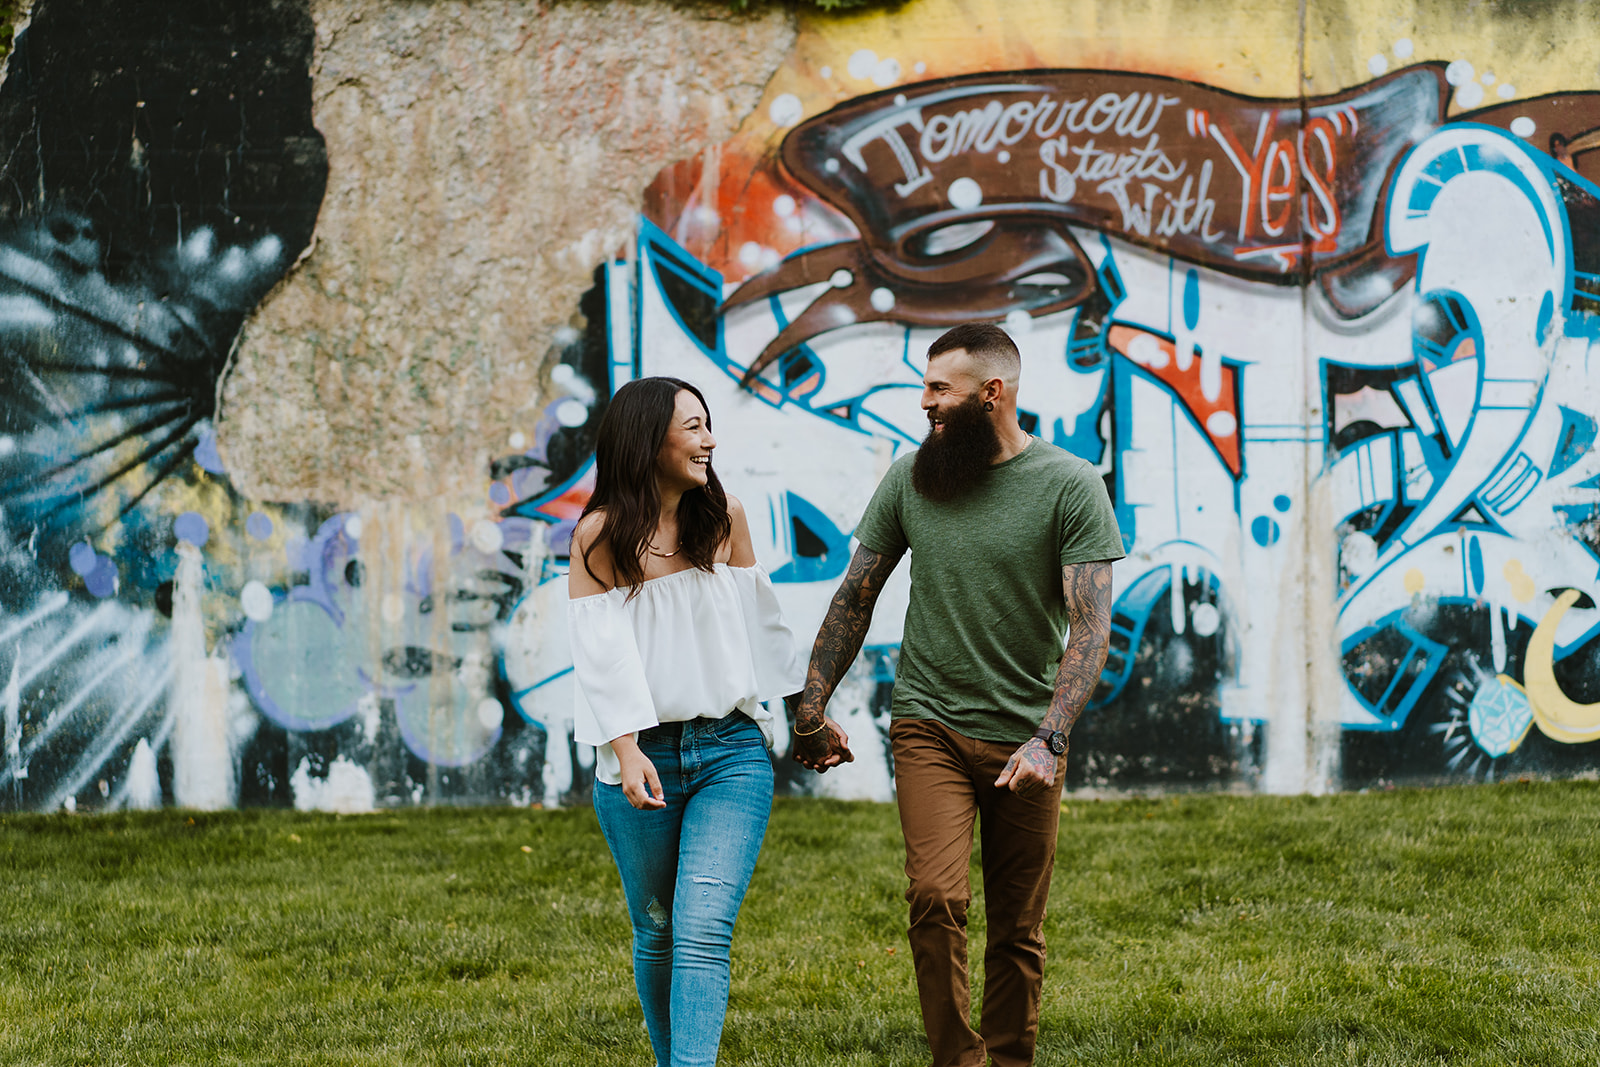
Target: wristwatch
{"points": [[1054, 738]]}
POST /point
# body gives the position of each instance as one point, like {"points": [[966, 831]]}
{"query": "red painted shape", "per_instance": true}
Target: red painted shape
{"points": [[1186, 384], [569, 505]]}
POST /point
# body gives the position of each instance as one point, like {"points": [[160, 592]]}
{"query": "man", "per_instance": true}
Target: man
{"points": [[1011, 542]]}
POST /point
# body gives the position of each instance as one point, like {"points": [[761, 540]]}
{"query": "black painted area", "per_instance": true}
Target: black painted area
{"points": [[1165, 728], [156, 117], [1424, 748]]}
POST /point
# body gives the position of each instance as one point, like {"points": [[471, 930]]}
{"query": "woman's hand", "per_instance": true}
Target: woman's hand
{"points": [[640, 782]]}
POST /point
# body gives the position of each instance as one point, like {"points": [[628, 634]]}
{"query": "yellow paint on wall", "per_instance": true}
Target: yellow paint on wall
{"points": [[1414, 581], [1515, 50], [1558, 716], [1522, 586], [1533, 46], [1248, 47]]}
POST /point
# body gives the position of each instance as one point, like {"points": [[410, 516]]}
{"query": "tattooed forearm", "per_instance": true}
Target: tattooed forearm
{"points": [[1087, 587], [843, 631]]}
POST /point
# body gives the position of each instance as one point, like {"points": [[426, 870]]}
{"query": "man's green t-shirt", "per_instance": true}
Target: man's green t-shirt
{"points": [[988, 620]]}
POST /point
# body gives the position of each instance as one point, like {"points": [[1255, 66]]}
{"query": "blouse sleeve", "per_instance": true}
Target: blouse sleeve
{"points": [[612, 697], [779, 669]]}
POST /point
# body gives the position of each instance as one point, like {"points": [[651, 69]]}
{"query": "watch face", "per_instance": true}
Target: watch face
{"points": [[1058, 742]]}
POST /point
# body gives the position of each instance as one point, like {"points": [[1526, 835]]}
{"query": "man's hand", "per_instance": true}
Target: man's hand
{"points": [[824, 749], [1086, 588], [1030, 770]]}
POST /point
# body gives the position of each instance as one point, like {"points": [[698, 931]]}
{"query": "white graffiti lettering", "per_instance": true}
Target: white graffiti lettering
{"points": [[988, 127], [1110, 171], [1185, 214]]}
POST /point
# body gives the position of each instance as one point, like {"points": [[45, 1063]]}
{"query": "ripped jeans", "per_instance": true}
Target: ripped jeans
{"points": [[685, 869]]}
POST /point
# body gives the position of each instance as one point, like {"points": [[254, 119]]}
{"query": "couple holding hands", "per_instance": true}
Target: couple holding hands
{"points": [[678, 639]]}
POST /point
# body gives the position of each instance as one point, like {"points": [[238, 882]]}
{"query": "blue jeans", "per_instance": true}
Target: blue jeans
{"points": [[685, 869]]}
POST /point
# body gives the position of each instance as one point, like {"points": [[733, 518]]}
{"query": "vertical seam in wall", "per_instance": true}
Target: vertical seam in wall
{"points": [[1308, 544]]}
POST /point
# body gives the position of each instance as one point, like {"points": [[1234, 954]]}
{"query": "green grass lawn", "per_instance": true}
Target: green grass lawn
{"points": [[1455, 926]]}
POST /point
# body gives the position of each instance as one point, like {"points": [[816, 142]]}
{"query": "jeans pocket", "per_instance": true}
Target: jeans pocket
{"points": [[737, 730]]}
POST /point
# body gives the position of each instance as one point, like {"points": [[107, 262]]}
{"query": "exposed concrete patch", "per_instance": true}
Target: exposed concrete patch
{"points": [[483, 159]]}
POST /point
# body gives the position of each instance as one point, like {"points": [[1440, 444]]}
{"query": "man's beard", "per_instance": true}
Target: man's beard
{"points": [[951, 461]]}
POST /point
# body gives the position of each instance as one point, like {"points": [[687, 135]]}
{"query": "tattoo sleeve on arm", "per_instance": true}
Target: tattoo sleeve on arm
{"points": [[843, 631], [1087, 587]]}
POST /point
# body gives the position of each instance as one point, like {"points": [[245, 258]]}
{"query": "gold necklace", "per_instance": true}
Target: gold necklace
{"points": [[664, 555]]}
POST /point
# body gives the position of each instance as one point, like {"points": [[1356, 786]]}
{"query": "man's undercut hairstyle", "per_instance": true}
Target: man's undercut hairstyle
{"points": [[990, 347]]}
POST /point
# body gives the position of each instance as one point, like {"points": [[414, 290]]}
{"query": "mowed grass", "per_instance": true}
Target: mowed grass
{"points": [[1455, 926]]}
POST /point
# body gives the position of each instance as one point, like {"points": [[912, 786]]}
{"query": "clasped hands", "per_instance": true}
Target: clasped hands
{"points": [[822, 749]]}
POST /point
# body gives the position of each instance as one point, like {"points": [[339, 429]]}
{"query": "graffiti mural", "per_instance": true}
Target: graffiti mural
{"points": [[1286, 332], [1331, 355]]}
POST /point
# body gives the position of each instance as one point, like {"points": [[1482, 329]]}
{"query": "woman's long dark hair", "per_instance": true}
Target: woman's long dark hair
{"points": [[631, 431]]}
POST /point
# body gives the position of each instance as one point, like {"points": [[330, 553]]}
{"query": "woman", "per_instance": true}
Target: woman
{"points": [[677, 639]]}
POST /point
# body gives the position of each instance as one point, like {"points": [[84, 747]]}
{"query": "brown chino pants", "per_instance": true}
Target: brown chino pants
{"points": [[943, 781]]}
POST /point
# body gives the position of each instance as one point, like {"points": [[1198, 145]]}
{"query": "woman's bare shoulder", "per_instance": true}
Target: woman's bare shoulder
{"points": [[741, 552], [588, 527], [590, 569]]}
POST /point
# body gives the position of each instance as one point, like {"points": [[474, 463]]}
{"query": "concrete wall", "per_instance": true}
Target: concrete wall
{"points": [[308, 311]]}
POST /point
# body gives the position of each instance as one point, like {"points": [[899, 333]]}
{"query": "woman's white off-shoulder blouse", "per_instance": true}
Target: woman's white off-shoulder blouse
{"points": [[692, 644]]}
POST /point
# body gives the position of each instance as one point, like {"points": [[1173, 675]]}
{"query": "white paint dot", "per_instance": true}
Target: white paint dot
{"points": [[392, 608], [786, 110], [566, 335], [1204, 619], [1378, 64], [770, 258], [563, 374], [783, 205], [841, 278], [885, 73], [793, 224], [882, 300], [518, 440], [899, 99], [1523, 126], [920, 67], [1358, 553], [831, 166], [1147, 351], [1018, 322], [256, 600], [1403, 48], [965, 194], [1488, 77], [8, 445], [1221, 424], [750, 255], [1003, 156], [1506, 91], [490, 713], [572, 412], [705, 215], [352, 527], [1469, 95], [861, 63], [486, 535], [1458, 73], [826, 72]]}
